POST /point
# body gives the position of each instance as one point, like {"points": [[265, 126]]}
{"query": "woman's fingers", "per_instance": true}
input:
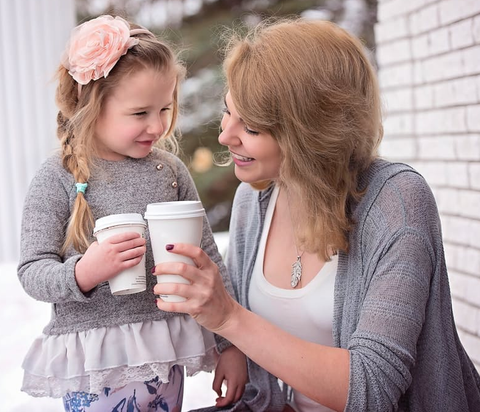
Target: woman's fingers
{"points": [[191, 273], [208, 302], [199, 257], [179, 289]]}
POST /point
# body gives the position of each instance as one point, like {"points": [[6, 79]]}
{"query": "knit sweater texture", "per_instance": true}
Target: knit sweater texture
{"points": [[392, 303], [115, 187]]}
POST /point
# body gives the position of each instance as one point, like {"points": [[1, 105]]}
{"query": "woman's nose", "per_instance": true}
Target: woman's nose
{"points": [[228, 135]]}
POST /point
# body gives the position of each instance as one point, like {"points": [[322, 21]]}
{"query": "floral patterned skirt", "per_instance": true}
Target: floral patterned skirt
{"points": [[153, 395]]}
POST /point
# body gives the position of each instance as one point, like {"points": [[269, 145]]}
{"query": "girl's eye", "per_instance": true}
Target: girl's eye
{"points": [[249, 131], [166, 109], [140, 113], [226, 111]]}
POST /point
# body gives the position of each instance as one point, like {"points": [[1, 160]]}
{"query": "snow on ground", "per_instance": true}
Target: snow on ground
{"points": [[23, 319]]}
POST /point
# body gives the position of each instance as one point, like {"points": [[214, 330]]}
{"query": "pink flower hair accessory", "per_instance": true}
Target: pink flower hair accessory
{"points": [[96, 46]]}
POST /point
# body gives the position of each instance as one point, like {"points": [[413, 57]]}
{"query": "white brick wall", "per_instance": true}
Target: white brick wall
{"points": [[428, 52]]}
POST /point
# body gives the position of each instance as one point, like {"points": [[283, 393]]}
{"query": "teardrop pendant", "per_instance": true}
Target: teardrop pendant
{"points": [[296, 272]]}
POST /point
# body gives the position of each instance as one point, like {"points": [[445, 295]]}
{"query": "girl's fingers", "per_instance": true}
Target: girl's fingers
{"points": [[217, 384], [123, 237], [230, 394], [134, 253], [126, 241], [239, 393]]}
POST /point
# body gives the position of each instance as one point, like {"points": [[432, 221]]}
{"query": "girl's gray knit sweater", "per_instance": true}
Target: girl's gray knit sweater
{"points": [[392, 304], [115, 187]]}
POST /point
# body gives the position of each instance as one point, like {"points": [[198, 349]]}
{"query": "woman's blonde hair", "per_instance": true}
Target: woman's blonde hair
{"points": [[311, 86], [78, 113]]}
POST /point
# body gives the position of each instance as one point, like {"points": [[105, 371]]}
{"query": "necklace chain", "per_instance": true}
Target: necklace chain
{"points": [[296, 275]]}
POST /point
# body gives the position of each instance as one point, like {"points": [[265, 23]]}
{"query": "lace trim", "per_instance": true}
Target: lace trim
{"points": [[96, 381]]}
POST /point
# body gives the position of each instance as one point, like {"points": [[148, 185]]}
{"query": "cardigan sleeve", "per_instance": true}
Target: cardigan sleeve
{"points": [[42, 271], [400, 257], [383, 347]]}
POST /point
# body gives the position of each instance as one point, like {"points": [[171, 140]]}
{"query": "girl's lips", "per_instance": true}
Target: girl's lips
{"points": [[146, 142]]}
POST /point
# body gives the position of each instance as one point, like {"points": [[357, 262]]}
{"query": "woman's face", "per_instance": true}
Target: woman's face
{"points": [[256, 155]]}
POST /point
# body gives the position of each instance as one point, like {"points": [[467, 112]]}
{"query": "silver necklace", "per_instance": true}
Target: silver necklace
{"points": [[296, 270], [297, 265]]}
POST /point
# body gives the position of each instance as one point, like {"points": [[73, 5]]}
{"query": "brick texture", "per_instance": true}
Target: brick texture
{"points": [[428, 53]]}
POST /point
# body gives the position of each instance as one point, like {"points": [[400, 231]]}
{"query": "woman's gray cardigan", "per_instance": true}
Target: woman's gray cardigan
{"points": [[392, 304]]}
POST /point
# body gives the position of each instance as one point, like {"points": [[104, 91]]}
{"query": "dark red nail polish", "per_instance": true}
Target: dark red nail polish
{"points": [[153, 269], [169, 247]]}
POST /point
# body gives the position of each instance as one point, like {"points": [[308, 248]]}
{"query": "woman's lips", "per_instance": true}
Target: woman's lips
{"points": [[240, 158]]}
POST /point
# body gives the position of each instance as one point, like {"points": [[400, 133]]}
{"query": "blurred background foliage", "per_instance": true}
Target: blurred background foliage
{"points": [[196, 29]]}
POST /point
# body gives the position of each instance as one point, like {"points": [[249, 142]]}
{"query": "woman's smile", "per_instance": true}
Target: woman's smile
{"points": [[241, 160]]}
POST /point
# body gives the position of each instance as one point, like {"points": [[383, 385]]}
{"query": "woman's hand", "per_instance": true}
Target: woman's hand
{"points": [[231, 368], [208, 302], [102, 261], [319, 372]]}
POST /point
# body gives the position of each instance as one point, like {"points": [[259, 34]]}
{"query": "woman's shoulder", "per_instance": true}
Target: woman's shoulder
{"points": [[245, 192], [398, 182], [397, 197]]}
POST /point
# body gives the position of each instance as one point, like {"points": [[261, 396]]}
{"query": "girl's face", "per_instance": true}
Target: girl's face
{"points": [[256, 155], [136, 115]]}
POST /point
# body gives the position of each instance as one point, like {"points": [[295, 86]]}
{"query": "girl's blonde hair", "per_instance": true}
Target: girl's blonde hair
{"points": [[78, 114], [311, 86]]}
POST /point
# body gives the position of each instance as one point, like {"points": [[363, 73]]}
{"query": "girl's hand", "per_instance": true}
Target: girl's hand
{"points": [[208, 302], [102, 261], [231, 368]]}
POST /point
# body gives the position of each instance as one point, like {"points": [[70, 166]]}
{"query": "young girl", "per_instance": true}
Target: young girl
{"points": [[118, 98]]}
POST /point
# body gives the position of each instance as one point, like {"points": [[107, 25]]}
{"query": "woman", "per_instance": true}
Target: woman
{"points": [[336, 256]]}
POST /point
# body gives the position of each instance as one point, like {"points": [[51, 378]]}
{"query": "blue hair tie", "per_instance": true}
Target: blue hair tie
{"points": [[81, 187]]}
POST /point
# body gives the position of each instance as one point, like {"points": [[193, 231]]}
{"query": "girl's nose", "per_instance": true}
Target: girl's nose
{"points": [[157, 125]]}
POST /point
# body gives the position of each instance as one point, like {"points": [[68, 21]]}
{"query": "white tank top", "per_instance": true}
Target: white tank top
{"points": [[306, 312]]}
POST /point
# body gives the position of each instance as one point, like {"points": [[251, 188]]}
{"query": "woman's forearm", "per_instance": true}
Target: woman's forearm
{"points": [[317, 371]]}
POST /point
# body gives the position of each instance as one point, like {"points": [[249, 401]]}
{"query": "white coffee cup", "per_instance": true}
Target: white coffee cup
{"points": [[174, 222], [134, 279]]}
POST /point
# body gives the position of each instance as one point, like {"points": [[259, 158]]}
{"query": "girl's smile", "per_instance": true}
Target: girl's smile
{"points": [[136, 115]]}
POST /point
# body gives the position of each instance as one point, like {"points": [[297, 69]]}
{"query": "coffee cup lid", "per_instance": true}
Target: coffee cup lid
{"points": [[175, 210], [123, 219]]}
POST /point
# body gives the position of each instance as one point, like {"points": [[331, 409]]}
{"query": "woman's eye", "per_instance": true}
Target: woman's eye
{"points": [[226, 111], [250, 131]]}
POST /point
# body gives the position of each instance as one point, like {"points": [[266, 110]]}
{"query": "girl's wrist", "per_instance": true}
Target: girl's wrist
{"points": [[82, 280]]}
